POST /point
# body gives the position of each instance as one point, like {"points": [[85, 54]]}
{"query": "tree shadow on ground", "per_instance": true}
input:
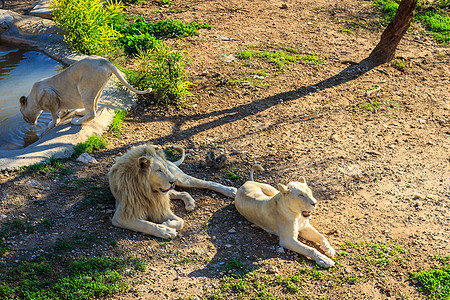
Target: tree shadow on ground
{"points": [[352, 72]]}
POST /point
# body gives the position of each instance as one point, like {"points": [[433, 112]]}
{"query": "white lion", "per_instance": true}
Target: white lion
{"points": [[143, 181], [285, 213], [77, 87]]}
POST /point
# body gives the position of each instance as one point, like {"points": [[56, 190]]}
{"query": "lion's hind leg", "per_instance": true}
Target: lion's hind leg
{"points": [[192, 182], [189, 202]]}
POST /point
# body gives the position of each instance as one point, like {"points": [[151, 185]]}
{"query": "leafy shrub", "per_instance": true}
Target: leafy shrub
{"points": [[163, 70], [117, 123], [87, 24], [93, 143], [435, 282], [142, 36]]}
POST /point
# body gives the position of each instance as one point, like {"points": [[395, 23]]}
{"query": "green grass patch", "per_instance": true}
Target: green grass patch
{"points": [[93, 143], [86, 278], [374, 106], [345, 30], [435, 283], [54, 166], [278, 58], [78, 241], [433, 15], [86, 24], [117, 123]]}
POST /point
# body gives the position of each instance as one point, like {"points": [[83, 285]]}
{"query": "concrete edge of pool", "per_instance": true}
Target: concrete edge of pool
{"points": [[39, 34]]}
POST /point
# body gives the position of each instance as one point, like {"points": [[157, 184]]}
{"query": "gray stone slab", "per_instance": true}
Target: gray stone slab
{"points": [[42, 10]]}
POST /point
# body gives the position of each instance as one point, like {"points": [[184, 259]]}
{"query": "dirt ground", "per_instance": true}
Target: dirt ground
{"points": [[378, 162]]}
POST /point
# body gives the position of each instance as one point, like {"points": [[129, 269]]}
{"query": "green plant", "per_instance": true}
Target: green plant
{"points": [[93, 143], [87, 24], [142, 36], [117, 123], [231, 175], [279, 58], [435, 282], [345, 30], [163, 70], [399, 64], [236, 268]]}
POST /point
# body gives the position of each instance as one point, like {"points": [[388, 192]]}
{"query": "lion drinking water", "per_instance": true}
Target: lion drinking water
{"points": [[143, 181], [286, 213], [77, 87]]}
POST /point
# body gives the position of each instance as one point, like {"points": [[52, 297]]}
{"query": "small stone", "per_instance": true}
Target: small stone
{"points": [[421, 121], [280, 250], [432, 197], [272, 270], [232, 231], [86, 159], [418, 196], [284, 6], [228, 245], [334, 137], [3, 216], [204, 73], [228, 58]]}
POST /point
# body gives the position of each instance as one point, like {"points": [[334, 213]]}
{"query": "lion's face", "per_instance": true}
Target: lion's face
{"points": [[299, 197], [30, 109], [159, 176]]}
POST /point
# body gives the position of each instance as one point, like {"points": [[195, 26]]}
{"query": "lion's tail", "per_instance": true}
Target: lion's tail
{"points": [[255, 167], [179, 150], [119, 76]]}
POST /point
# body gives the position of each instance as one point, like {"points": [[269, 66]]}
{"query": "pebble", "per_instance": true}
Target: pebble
{"points": [[232, 231], [280, 250], [85, 158], [334, 137], [272, 270], [3, 216]]}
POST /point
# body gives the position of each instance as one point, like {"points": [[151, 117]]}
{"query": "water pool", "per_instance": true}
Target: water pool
{"points": [[19, 70]]}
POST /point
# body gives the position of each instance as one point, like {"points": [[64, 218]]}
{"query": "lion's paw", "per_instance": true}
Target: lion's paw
{"points": [[190, 206], [76, 121], [231, 192], [329, 251], [176, 224], [166, 232], [324, 262]]}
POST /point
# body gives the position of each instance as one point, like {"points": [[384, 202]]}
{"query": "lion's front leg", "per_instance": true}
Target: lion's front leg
{"points": [[311, 234], [55, 120], [189, 202], [158, 230], [288, 240]]}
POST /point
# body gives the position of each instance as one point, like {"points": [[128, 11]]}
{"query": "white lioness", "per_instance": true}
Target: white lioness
{"points": [[142, 182], [285, 213], [77, 87]]}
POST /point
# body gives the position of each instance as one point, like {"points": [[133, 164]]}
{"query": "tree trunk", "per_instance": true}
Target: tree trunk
{"points": [[385, 50]]}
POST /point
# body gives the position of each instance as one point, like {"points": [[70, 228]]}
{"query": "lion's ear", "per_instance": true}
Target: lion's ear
{"points": [[23, 100], [283, 189], [302, 179], [144, 162]]}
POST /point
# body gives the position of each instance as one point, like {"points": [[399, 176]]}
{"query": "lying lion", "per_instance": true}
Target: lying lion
{"points": [[142, 182], [77, 87], [285, 213]]}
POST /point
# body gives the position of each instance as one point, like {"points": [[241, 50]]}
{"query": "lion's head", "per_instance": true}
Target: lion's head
{"points": [[30, 110], [298, 197], [139, 180]]}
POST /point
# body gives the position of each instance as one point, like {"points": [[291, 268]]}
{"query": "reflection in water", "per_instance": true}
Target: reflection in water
{"points": [[19, 70]]}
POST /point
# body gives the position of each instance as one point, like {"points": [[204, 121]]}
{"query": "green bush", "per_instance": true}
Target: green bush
{"points": [[93, 143], [141, 35], [435, 282], [87, 24], [163, 70]]}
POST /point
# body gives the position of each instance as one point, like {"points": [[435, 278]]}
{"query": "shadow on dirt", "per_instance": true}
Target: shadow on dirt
{"points": [[352, 72], [241, 247]]}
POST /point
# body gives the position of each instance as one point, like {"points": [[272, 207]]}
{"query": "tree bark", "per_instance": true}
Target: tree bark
{"points": [[394, 32]]}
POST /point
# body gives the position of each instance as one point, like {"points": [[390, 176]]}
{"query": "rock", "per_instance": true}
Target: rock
{"points": [[228, 245], [421, 121], [272, 270], [432, 197], [86, 159], [418, 196], [334, 137], [3, 216], [232, 231], [284, 6], [280, 250], [228, 58]]}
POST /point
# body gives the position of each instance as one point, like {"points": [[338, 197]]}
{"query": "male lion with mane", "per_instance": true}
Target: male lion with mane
{"points": [[142, 181], [286, 213]]}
